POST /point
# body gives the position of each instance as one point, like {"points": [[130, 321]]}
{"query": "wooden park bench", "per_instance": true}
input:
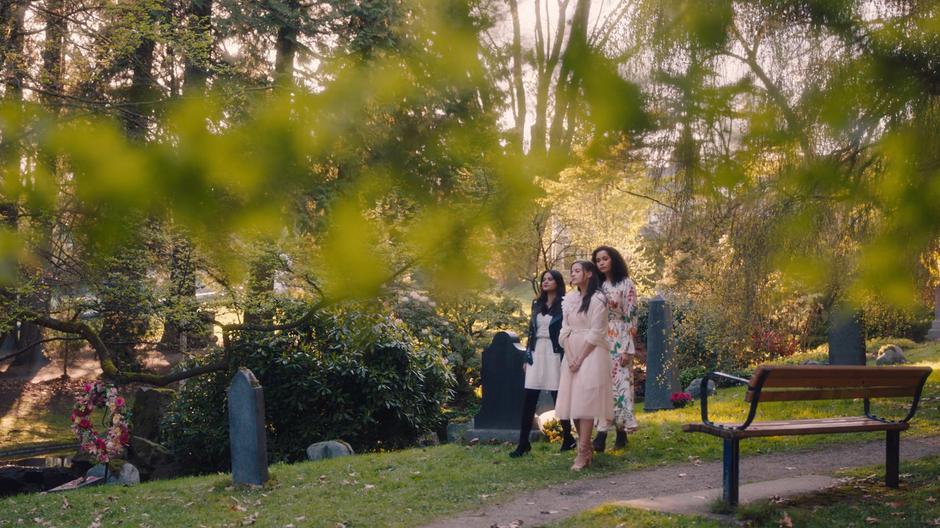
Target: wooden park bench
{"points": [[810, 382]]}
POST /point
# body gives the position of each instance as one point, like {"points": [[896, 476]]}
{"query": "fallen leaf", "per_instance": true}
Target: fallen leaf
{"points": [[786, 521], [931, 499], [65, 503], [872, 520], [683, 475]]}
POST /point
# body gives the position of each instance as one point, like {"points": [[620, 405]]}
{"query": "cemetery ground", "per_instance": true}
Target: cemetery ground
{"points": [[421, 485], [859, 500]]}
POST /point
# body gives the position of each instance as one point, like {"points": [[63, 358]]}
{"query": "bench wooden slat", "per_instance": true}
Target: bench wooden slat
{"points": [[832, 393], [799, 427], [811, 376]]}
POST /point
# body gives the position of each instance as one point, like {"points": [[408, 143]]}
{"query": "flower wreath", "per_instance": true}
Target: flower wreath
{"points": [[102, 449]]}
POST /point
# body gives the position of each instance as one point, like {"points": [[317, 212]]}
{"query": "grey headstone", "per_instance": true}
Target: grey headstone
{"points": [[246, 429], [813, 362], [846, 337], [661, 378], [503, 382], [695, 388], [329, 449], [890, 355], [934, 333], [127, 475]]}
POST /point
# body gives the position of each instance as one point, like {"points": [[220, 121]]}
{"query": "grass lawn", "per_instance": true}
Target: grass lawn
{"points": [[407, 488], [862, 500], [35, 417]]}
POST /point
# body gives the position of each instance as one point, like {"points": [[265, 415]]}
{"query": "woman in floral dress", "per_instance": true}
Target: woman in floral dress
{"points": [[621, 332]]}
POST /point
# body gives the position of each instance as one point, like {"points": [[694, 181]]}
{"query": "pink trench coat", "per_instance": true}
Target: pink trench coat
{"points": [[587, 392]]}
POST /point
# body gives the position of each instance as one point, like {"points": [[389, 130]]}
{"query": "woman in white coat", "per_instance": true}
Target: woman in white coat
{"points": [[584, 391]]}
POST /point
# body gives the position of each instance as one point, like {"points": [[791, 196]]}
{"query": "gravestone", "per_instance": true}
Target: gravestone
{"points": [[934, 333], [846, 337], [246, 429], [661, 378], [503, 382]]}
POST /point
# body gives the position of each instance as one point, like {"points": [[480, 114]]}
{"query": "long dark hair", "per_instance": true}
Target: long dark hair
{"points": [[542, 301], [618, 266], [592, 286]]}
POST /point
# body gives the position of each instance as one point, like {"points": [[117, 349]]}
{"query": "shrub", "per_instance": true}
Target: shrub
{"points": [[357, 376], [883, 320], [462, 327], [769, 344]]}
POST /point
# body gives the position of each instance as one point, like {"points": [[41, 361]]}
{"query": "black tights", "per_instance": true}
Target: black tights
{"points": [[529, 403]]}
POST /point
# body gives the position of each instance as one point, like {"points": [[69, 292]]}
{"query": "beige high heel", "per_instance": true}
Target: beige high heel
{"points": [[585, 455]]}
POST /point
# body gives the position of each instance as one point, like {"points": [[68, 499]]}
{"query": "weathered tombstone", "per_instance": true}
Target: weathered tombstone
{"points": [[934, 332], [661, 379], [329, 449], [246, 429], [128, 475], [846, 337], [695, 388], [890, 355], [503, 381]]}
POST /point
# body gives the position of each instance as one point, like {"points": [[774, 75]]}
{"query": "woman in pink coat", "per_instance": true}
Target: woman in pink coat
{"points": [[584, 391]]}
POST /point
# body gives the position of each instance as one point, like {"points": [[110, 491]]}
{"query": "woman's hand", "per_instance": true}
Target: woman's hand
{"points": [[573, 366]]}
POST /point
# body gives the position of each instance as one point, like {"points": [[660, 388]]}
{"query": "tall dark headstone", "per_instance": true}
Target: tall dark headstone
{"points": [[246, 429], [934, 333], [503, 380], [661, 378], [846, 337]]}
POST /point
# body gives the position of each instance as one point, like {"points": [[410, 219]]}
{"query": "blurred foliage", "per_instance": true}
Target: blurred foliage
{"points": [[356, 373]]}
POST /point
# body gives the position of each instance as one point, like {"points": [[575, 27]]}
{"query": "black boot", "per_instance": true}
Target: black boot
{"points": [[521, 449], [600, 441], [621, 441], [529, 402], [567, 441]]}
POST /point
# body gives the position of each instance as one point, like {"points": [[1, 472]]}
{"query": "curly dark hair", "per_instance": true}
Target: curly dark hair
{"points": [[618, 266]]}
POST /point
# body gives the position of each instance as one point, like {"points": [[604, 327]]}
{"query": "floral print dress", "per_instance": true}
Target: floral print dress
{"points": [[621, 332]]}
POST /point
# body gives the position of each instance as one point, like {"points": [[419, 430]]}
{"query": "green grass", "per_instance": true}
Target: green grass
{"points": [[861, 500], [609, 516], [410, 487], [36, 419]]}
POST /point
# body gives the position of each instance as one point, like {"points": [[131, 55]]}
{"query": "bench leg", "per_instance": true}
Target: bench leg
{"points": [[732, 458], [892, 458]]}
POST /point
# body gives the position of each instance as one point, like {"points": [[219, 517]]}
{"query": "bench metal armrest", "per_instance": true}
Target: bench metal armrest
{"points": [[715, 376], [914, 403]]}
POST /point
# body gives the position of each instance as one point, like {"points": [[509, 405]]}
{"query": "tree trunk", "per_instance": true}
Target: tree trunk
{"points": [[568, 82], [196, 61], [286, 46], [518, 87]]}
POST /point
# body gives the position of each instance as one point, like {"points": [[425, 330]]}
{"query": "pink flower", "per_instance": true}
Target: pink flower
{"points": [[119, 402], [85, 423]]}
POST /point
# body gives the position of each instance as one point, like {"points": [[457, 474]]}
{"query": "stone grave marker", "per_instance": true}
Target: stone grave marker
{"points": [[934, 333], [503, 381], [246, 429], [661, 378], [846, 337]]}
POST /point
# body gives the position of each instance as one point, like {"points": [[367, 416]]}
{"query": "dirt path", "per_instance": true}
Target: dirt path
{"points": [[558, 501]]}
